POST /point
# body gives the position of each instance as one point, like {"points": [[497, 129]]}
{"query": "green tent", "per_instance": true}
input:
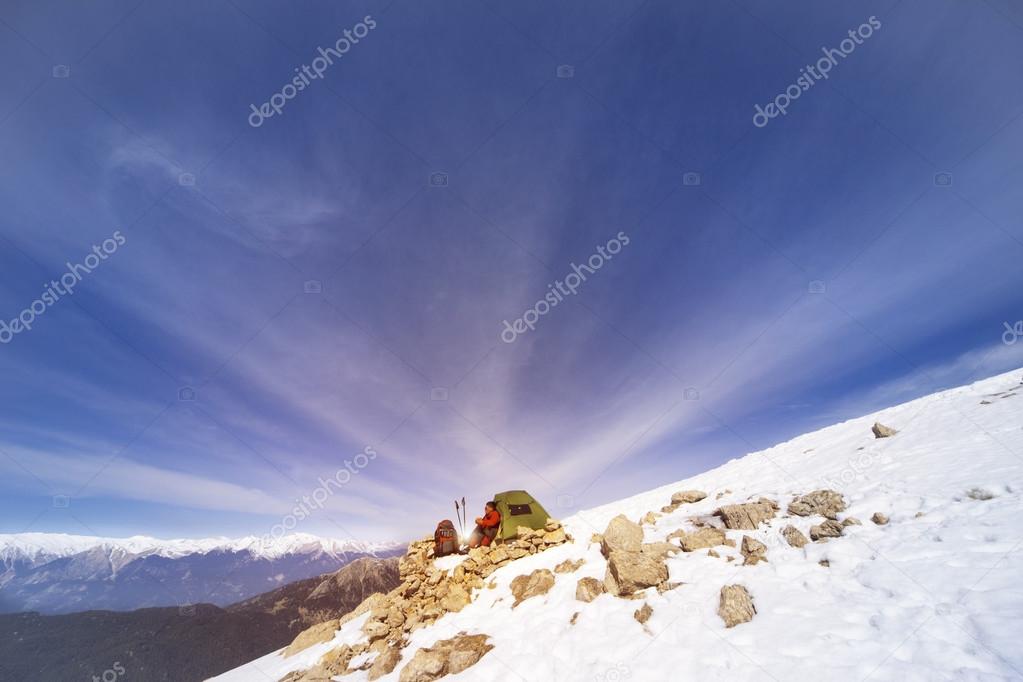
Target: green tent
{"points": [[518, 508]]}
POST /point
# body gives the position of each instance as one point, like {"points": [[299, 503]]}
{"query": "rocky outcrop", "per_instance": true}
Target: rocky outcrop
{"points": [[735, 605], [753, 551], [446, 657], [882, 431], [826, 503], [322, 632], [748, 515], [536, 583], [828, 529], [588, 589], [621, 534], [793, 536], [879, 518]]}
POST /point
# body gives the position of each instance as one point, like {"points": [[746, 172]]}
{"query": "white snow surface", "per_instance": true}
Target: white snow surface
{"points": [[937, 594], [42, 547]]}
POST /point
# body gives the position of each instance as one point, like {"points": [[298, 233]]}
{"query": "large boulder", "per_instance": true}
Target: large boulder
{"points": [[621, 534], [748, 515], [735, 605], [826, 503], [446, 657], [588, 589], [882, 431], [536, 583], [629, 572], [322, 632]]}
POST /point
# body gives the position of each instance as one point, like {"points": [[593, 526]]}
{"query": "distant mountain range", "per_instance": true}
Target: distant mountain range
{"points": [[175, 644], [56, 573]]}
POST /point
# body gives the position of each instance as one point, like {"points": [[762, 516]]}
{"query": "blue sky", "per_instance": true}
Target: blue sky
{"points": [[817, 269]]}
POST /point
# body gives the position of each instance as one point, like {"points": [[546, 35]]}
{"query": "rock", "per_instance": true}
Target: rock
{"points": [[659, 549], [793, 536], [375, 629], [649, 519], [555, 537], [385, 662], [536, 583], [628, 572], [524, 532], [588, 589], [456, 599], [714, 554], [643, 614], [446, 657], [667, 586], [879, 518], [575, 617], [748, 515], [827, 503], [322, 632], [701, 539], [735, 605], [621, 534], [753, 551], [825, 563], [851, 521], [828, 529], [882, 431], [551, 525], [687, 497], [568, 566]]}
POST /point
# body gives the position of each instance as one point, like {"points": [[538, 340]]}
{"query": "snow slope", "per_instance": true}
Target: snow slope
{"points": [[934, 595]]}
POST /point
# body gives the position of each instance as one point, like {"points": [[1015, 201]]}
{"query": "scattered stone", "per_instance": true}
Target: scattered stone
{"points": [[793, 536], [882, 431], [659, 549], [700, 539], [555, 537], [825, 563], [621, 534], [385, 662], [446, 657], [575, 617], [568, 566], [588, 589], [730, 558], [828, 529], [643, 614], [629, 572], [536, 583], [851, 521], [322, 632], [735, 605], [753, 551], [666, 586], [748, 515], [827, 503], [918, 515], [687, 496], [979, 494], [551, 525], [879, 518], [711, 552], [649, 519]]}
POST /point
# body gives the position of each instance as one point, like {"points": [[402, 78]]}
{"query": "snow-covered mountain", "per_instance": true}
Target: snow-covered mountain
{"points": [[58, 573], [931, 590]]}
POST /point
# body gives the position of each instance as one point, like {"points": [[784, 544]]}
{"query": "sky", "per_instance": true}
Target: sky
{"points": [[267, 301]]}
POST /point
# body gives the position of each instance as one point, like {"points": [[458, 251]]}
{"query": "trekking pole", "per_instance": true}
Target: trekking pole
{"points": [[459, 519], [464, 521]]}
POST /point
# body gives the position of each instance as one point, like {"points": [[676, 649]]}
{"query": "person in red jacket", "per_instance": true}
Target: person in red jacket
{"points": [[486, 527]]}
